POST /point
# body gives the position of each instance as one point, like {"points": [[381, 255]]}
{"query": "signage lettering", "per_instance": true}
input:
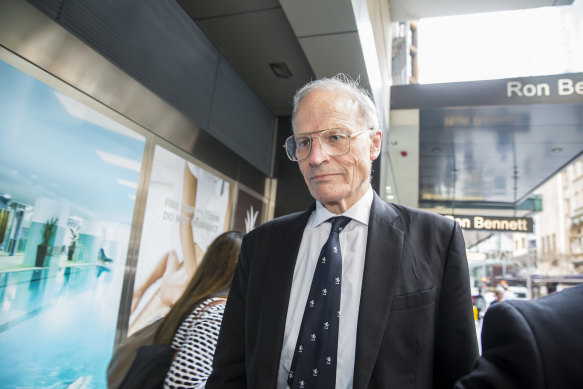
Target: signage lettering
{"points": [[493, 223], [565, 87], [517, 89]]}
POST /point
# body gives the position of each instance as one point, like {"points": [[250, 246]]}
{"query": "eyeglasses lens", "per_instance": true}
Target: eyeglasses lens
{"points": [[334, 142]]}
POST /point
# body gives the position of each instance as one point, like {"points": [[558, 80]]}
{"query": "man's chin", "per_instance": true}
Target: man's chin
{"points": [[326, 198]]}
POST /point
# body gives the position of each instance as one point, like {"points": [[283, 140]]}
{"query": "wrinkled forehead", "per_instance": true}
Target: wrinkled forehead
{"points": [[326, 108]]}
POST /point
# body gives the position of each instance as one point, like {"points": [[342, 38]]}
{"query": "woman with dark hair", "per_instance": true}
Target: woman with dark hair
{"points": [[192, 325]]}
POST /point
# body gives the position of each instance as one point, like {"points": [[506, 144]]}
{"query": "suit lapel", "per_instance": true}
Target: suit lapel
{"points": [[282, 256], [382, 262]]}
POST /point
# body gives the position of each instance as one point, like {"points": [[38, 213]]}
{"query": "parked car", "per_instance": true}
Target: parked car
{"points": [[517, 292]]}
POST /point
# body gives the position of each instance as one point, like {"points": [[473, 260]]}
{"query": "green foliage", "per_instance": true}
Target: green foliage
{"points": [[49, 229]]}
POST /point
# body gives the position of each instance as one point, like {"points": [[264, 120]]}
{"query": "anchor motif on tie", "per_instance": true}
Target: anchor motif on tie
{"points": [[291, 374], [313, 337], [335, 249], [326, 325], [311, 303], [302, 384], [323, 259], [300, 349], [328, 361], [338, 314], [337, 280], [324, 292], [315, 372]]}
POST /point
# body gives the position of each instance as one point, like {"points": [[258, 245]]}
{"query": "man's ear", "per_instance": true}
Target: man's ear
{"points": [[376, 138]]}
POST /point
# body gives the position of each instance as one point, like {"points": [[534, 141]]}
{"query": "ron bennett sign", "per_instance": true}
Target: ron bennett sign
{"points": [[493, 223], [563, 86]]}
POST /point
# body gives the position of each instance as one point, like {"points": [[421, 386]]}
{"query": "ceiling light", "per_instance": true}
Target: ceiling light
{"points": [[127, 183], [280, 70], [83, 112], [117, 160]]}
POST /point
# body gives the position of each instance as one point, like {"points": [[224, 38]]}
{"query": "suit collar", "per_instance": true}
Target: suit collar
{"points": [[382, 263], [360, 211], [297, 224], [280, 270]]}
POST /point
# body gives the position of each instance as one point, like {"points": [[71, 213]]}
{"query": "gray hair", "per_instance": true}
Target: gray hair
{"points": [[367, 108]]}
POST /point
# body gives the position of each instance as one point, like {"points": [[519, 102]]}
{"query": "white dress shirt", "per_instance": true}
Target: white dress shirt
{"points": [[353, 246]]}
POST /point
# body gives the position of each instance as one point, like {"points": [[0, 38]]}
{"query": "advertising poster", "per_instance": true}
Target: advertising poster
{"points": [[69, 175], [186, 209], [248, 213]]}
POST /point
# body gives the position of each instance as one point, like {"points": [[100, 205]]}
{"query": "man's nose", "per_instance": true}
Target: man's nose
{"points": [[317, 155]]}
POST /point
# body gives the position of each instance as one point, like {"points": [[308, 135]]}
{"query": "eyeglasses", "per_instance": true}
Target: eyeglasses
{"points": [[334, 142]]}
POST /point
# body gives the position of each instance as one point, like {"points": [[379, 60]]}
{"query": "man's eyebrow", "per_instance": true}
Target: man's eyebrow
{"points": [[315, 132]]}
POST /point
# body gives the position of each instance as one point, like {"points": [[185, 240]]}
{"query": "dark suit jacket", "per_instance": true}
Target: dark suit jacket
{"points": [[415, 323], [532, 344]]}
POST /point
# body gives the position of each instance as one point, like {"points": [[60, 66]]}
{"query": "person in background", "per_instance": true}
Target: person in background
{"points": [[192, 325], [499, 292], [377, 294], [532, 344]]}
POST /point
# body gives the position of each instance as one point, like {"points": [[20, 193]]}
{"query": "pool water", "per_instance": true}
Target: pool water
{"points": [[57, 328]]}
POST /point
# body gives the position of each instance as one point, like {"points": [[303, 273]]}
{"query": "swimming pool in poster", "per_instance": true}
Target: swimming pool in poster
{"points": [[60, 334], [67, 165]]}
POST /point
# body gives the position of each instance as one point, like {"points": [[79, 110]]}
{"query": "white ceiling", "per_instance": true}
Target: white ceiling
{"points": [[314, 38], [405, 10]]}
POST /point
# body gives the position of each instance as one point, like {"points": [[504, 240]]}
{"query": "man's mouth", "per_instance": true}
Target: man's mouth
{"points": [[321, 176]]}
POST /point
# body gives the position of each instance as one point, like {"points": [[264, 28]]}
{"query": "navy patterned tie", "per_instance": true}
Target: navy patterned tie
{"points": [[314, 361]]}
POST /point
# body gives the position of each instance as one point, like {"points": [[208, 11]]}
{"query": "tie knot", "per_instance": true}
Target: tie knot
{"points": [[338, 223]]}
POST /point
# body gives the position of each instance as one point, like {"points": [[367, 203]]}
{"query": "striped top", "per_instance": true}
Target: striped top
{"points": [[196, 339]]}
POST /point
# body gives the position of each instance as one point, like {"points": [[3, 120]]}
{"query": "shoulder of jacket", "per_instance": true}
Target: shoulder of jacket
{"points": [[279, 223], [410, 213]]}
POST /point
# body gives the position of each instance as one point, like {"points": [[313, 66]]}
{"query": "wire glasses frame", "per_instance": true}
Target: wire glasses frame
{"points": [[334, 142]]}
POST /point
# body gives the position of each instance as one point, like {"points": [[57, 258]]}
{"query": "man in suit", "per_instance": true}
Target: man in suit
{"points": [[531, 344], [405, 317]]}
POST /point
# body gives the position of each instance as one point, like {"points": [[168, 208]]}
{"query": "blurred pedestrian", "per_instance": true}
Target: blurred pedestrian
{"points": [[499, 292]]}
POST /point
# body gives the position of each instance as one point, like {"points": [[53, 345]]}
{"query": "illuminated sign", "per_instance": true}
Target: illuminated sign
{"points": [[493, 223]]}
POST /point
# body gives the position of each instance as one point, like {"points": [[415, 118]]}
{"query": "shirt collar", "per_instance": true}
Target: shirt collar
{"points": [[360, 211]]}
